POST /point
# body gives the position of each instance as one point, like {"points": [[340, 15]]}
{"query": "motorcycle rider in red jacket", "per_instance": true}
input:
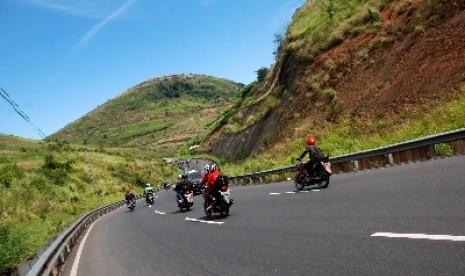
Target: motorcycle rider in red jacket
{"points": [[315, 155], [209, 179]]}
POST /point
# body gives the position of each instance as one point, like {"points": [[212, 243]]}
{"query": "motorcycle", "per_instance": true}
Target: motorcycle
{"points": [[320, 176], [188, 201], [131, 205], [222, 205], [149, 198]]}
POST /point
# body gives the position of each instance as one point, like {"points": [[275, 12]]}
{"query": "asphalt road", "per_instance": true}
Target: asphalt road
{"points": [[272, 230]]}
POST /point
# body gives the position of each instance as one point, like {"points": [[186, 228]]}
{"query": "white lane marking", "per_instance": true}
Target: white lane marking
{"points": [[160, 213], [79, 252], [295, 192], [419, 236], [205, 221]]}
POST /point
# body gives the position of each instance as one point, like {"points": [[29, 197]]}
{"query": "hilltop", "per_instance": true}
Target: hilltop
{"points": [[163, 112]]}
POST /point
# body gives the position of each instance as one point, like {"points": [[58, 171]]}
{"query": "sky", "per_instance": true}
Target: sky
{"points": [[60, 59]]}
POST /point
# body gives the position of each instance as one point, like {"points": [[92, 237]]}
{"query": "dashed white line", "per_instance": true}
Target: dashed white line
{"points": [[306, 191], [419, 236], [160, 213], [205, 221]]}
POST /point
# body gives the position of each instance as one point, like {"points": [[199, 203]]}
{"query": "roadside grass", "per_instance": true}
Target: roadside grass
{"points": [[44, 190]]}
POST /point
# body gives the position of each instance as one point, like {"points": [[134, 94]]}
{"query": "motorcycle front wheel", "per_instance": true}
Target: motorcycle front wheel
{"points": [[324, 181]]}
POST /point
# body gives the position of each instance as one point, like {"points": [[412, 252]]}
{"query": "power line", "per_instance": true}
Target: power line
{"points": [[21, 113], [25, 117]]}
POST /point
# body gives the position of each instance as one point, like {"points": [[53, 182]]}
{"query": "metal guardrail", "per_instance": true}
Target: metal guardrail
{"points": [[414, 150], [57, 252]]}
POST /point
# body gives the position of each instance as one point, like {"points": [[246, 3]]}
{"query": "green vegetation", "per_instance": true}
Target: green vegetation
{"points": [[360, 136], [46, 186], [321, 24]]}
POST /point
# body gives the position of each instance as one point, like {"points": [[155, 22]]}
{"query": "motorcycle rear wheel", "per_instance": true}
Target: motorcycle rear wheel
{"points": [[298, 184], [225, 211]]}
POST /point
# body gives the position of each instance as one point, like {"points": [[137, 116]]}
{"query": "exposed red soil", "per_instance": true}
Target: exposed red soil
{"points": [[418, 56]]}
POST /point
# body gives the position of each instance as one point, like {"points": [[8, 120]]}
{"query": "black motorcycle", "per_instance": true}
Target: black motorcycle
{"points": [[188, 200], [222, 203], [320, 176], [149, 198], [131, 204]]}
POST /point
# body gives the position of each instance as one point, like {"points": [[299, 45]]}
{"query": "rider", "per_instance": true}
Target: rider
{"points": [[148, 189], [165, 184], [211, 191], [181, 186], [129, 196], [315, 155]]}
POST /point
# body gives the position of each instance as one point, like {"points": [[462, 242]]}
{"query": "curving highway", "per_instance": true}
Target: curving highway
{"points": [[402, 220]]}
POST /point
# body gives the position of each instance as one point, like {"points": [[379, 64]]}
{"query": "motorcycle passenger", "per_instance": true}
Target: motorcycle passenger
{"points": [[315, 155], [211, 189], [181, 186], [148, 189]]}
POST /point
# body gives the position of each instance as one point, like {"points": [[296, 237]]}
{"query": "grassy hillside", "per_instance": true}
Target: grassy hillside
{"points": [[158, 114], [357, 74], [46, 186]]}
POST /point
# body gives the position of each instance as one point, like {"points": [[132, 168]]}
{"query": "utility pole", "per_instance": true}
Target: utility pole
{"points": [[90, 168]]}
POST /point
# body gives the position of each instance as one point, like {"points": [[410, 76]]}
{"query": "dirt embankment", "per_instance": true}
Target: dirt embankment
{"points": [[418, 56]]}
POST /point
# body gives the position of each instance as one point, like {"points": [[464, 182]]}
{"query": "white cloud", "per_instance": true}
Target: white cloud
{"points": [[83, 8], [113, 16]]}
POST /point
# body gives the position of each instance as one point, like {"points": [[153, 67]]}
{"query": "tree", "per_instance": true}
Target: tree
{"points": [[261, 73]]}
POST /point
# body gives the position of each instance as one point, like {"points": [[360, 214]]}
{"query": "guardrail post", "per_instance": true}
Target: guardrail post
{"points": [[356, 165], [391, 159]]}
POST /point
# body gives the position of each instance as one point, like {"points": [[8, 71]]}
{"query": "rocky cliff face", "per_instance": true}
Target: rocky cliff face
{"points": [[416, 57]]}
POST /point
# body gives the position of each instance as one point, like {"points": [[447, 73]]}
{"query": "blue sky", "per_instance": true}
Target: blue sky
{"points": [[60, 59]]}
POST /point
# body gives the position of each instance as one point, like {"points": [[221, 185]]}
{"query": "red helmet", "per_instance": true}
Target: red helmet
{"points": [[311, 141]]}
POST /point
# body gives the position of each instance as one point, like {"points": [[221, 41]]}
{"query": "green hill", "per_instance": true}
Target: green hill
{"points": [[161, 113]]}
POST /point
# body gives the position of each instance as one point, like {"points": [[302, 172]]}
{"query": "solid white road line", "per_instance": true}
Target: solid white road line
{"points": [[205, 221], [79, 252], [419, 236]]}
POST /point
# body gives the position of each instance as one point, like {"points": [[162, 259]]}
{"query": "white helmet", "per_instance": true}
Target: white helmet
{"points": [[212, 167], [147, 185], [206, 168]]}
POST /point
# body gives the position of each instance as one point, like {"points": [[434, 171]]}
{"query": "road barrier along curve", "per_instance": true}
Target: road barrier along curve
{"points": [[410, 151]]}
